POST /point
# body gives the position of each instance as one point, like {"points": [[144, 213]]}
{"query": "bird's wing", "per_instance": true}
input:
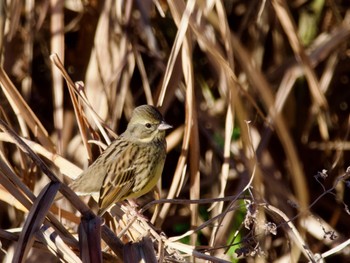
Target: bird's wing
{"points": [[119, 178]]}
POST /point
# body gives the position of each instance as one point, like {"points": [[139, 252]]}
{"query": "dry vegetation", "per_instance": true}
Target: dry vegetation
{"points": [[258, 94]]}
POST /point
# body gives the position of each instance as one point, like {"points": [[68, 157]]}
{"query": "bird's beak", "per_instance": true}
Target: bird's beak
{"points": [[164, 126]]}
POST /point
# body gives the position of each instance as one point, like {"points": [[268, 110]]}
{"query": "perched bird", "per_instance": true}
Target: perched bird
{"points": [[131, 165]]}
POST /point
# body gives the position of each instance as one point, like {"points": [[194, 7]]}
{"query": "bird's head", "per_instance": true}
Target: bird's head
{"points": [[146, 124]]}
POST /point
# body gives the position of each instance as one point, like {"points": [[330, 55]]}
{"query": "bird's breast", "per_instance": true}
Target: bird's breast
{"points": [[150, 163]]}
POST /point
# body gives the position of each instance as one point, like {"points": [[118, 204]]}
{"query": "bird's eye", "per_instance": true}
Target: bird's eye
{"points": [[148, 125]]}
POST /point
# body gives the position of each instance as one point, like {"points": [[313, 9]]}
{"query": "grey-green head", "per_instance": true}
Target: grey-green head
{"points": [[146, 124]]}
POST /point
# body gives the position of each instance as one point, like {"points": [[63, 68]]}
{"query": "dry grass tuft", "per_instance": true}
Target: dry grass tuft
{"points": [[257, 92]]}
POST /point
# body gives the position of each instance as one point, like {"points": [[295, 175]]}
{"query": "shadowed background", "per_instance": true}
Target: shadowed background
{"points": [[258, 95]]}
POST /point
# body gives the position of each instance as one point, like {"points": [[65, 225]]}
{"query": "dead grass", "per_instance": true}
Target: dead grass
{"points": [[257, 92]]}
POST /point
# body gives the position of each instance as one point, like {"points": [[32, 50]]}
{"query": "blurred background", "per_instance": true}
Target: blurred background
{"points": [[257, 92]]}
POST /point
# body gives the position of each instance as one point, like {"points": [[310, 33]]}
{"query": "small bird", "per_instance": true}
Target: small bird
{"points": [[131, 165]]}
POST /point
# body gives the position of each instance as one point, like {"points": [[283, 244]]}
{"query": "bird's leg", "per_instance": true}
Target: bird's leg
{"points": [[134, 211]]}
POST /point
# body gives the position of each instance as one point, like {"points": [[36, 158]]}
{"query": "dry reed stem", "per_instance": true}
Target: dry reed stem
{"points": [[57, 46], [215, 68]]}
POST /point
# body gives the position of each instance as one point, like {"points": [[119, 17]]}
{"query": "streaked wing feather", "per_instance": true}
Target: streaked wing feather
{"points": [[112, 192], [120, 177]]}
